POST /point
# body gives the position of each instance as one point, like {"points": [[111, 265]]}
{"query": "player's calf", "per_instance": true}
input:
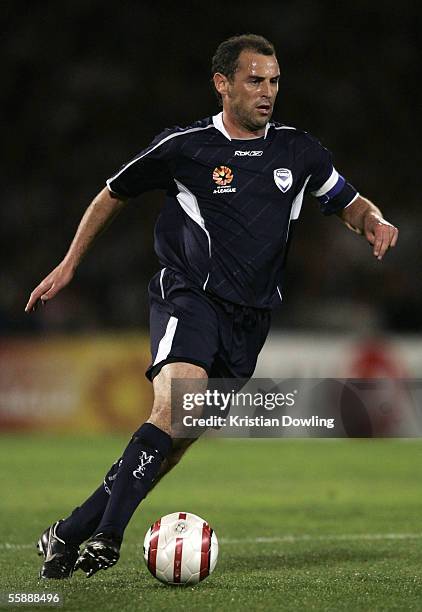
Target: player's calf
{"points": [[180, 446], [141, 462], [138, 468]]}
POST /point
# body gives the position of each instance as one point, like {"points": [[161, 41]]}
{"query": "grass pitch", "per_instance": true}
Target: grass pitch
{"points": [[302, 524]]}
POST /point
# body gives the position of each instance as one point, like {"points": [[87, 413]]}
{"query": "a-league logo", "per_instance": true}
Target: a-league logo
{"points": [[222, 175], [283, 179]]}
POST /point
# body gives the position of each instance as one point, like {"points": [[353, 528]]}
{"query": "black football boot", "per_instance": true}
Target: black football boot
{"points": [[59, 557], [101, 552]]}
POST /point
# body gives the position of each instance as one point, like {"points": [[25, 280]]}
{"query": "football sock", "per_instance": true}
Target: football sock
{"points": [[138, 469], [83, 521]]}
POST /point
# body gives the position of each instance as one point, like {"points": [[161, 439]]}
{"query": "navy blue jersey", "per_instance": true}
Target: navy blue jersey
{"points": [[230, 203]]}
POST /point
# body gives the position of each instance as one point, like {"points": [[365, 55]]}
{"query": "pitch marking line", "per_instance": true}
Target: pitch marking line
{"points": [[276, 539], [322, 538]]}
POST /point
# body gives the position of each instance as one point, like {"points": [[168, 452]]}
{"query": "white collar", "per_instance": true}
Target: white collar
{"points": [[219, 125]]}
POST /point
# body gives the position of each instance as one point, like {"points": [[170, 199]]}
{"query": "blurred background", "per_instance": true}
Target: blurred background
{"points": [[85, 85]]}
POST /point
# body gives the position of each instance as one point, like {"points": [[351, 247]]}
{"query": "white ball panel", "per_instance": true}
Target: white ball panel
{"points": [[146, 544], [214, 552], [161, 576], [191, 560], [194, 579]]}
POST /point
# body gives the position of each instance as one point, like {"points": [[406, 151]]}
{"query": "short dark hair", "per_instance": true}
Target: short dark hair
{"points": [[226, 58]]}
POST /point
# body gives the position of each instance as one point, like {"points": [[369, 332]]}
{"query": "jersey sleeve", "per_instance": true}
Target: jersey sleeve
{"points": [[329, 187], [150, 169]]}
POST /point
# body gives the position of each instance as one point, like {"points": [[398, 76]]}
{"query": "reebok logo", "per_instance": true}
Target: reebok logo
{"points": [[249, 153]]}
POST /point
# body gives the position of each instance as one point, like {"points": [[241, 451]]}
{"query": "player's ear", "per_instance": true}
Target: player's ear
{"points": [[221, 83]]}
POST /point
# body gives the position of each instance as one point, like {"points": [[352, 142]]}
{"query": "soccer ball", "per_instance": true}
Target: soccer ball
{"points": [[180, 548]]}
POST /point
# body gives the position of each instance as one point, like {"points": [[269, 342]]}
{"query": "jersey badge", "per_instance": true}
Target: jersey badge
{"points": [[222, 177], [283, 179]]}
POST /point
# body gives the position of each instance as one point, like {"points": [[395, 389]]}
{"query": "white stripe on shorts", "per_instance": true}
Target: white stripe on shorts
{"points": [[161, 283], [166, 341]]}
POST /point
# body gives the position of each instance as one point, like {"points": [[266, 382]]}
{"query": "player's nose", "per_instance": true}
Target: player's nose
{"points": [[267, 89]]}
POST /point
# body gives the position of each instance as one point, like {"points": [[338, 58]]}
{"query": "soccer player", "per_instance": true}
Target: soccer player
{"points": [[234, 185]]}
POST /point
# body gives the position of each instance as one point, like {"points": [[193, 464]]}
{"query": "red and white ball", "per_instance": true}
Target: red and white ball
{"points": [[180, 548]]}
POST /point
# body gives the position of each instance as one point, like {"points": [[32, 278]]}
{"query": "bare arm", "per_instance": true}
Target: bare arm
{"points": [[363, 217], [99, 214]]}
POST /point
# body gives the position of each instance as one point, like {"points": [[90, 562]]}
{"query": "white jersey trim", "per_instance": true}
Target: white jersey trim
{"points": [[219, 125], [166, 341], [169, 137], [329, 184], [284, 127], [351, 201], [297, 203], [189, 203]]}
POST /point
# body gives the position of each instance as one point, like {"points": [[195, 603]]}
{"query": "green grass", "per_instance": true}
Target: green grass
{"points": [[339, 500]]}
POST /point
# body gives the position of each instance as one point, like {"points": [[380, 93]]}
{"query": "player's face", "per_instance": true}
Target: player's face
{"points": [[252, 91]]}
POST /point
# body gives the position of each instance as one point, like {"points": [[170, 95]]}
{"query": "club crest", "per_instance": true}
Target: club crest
{"points": [[144, 459], [283, 179]]}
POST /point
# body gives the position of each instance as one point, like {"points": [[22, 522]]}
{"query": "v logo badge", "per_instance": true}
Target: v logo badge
{"points": [[283, 179]]}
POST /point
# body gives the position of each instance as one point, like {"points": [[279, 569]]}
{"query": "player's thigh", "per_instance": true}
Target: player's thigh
{"points": [[193, 380]]}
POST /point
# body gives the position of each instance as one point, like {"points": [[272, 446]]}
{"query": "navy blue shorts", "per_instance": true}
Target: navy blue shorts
{"points": [[189, 325]]}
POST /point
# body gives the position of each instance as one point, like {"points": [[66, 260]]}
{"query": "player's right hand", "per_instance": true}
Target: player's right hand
{"points": [[50, 286]]}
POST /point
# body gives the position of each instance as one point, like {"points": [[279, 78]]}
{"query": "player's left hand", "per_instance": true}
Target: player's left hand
{"points": [[381, 234]]}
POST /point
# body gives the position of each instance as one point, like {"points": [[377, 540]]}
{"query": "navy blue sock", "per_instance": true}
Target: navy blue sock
{"points": [[139, 467], [83, 521]]}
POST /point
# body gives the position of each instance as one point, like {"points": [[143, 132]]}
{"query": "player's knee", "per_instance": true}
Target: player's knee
{"points": [[167, 398], [188, 374]]}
